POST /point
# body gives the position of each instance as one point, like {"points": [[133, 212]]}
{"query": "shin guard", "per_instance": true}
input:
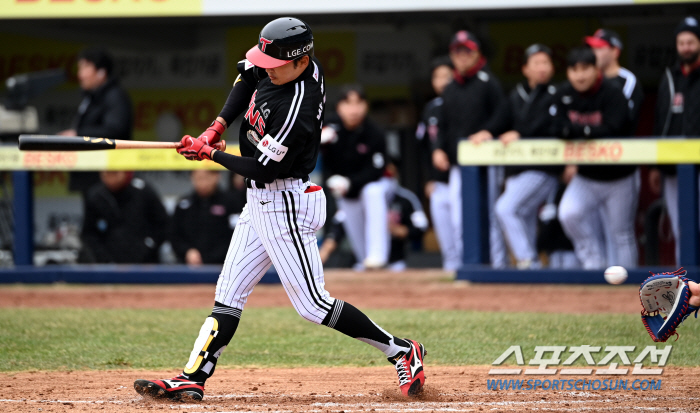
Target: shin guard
{"points": [[214, 336]]}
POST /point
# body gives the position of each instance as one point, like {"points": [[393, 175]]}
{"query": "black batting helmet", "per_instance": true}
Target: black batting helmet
{"points": [[280, 42]]}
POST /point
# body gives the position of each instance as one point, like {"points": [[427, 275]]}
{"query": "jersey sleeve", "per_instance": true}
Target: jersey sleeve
{"points": [[249, 73], [290, 126], [495, 100], [560, 125]]}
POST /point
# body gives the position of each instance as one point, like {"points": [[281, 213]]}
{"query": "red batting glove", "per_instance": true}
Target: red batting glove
{"points": [[213, 134], [194, 150]]}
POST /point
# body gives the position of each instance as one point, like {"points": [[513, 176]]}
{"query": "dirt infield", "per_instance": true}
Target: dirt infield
{"points": [[412, 289], [336, 389]]}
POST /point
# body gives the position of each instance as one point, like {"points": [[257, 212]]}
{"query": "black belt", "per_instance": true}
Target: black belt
{"points": [[252, 184], [259, 185]]}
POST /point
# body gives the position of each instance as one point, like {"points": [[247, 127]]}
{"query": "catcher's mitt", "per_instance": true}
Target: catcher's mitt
{"points": [[665, 305]]}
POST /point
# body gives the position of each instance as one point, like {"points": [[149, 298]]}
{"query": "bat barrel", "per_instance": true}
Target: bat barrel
{"points": [[63, 143]]}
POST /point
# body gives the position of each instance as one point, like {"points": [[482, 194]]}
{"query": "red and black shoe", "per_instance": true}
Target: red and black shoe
{"points": [[409, 366], [178, 388]]}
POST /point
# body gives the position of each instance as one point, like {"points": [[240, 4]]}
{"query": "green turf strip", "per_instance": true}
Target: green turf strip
{"points": [[62, 339]]}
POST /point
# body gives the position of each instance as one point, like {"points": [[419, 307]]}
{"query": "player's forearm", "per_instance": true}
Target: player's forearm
{"points": [[247, 167]]}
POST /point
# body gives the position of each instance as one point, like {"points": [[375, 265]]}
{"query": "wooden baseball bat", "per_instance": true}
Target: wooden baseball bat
{"points": [[85, 143]]}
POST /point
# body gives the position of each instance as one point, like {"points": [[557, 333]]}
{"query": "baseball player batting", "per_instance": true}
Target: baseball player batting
{"points": [[281, 90]]}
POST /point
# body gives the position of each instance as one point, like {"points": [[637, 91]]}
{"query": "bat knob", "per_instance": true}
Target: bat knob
{"points": [[220, 146]]}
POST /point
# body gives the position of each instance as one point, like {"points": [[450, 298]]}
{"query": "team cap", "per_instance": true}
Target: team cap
{"points": [[604, 38], [466, 39]]}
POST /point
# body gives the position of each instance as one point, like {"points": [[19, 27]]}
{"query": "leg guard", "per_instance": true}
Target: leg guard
{"points": [[209, 330], [214, 336]]}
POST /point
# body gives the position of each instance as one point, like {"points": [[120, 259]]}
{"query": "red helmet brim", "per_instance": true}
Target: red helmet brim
{"points": [[260, 59]]}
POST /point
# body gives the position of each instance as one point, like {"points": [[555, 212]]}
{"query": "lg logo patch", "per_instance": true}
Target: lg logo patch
{"points": [[272, 149]]}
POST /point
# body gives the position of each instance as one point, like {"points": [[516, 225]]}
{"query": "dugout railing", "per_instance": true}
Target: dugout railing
{"points": [[472, 159], [23, 164]]}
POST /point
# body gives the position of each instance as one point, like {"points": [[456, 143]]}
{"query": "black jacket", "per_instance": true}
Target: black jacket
{"points": [[632, 90], [602, 112], [105, 113], [359, 155], [527, 112], [205, 224], [123, 227], [470, 104], [427, 135], [678, 106]]}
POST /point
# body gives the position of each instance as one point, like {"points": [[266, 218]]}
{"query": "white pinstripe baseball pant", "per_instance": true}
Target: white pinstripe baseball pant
{"points": [[583, 202], [278, 226], [447, 232], [517, 208]]}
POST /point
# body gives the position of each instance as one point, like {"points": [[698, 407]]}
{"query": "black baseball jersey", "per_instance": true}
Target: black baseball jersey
{"points": [[205, 224], [527, 112], [470, 104], [677, 106], [281, 129], [127, 226], [601, 112], [287, 119], [427, 135], [359, 154], [632, 90]]}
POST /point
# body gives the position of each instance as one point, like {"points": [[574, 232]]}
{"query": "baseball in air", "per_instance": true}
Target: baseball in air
{"points": [[615, 274]]}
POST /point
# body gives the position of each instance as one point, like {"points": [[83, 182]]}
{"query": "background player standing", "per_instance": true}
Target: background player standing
{"points": [[105, 110], [470, 107], [526, 114], [281, 89], [677, 109], [607, 46], [436, 187], [586, 107]]}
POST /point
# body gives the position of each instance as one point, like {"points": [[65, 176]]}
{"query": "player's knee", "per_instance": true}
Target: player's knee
{"points": [[569, 213], [373, 189], [502, 209], [315, 317]]}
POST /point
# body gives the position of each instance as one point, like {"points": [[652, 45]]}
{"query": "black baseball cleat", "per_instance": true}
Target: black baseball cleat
{"points": [[409, 367], [178, 388]]}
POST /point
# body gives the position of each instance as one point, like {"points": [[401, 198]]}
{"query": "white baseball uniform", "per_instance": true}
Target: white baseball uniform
{"points": [[278, 226]]}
